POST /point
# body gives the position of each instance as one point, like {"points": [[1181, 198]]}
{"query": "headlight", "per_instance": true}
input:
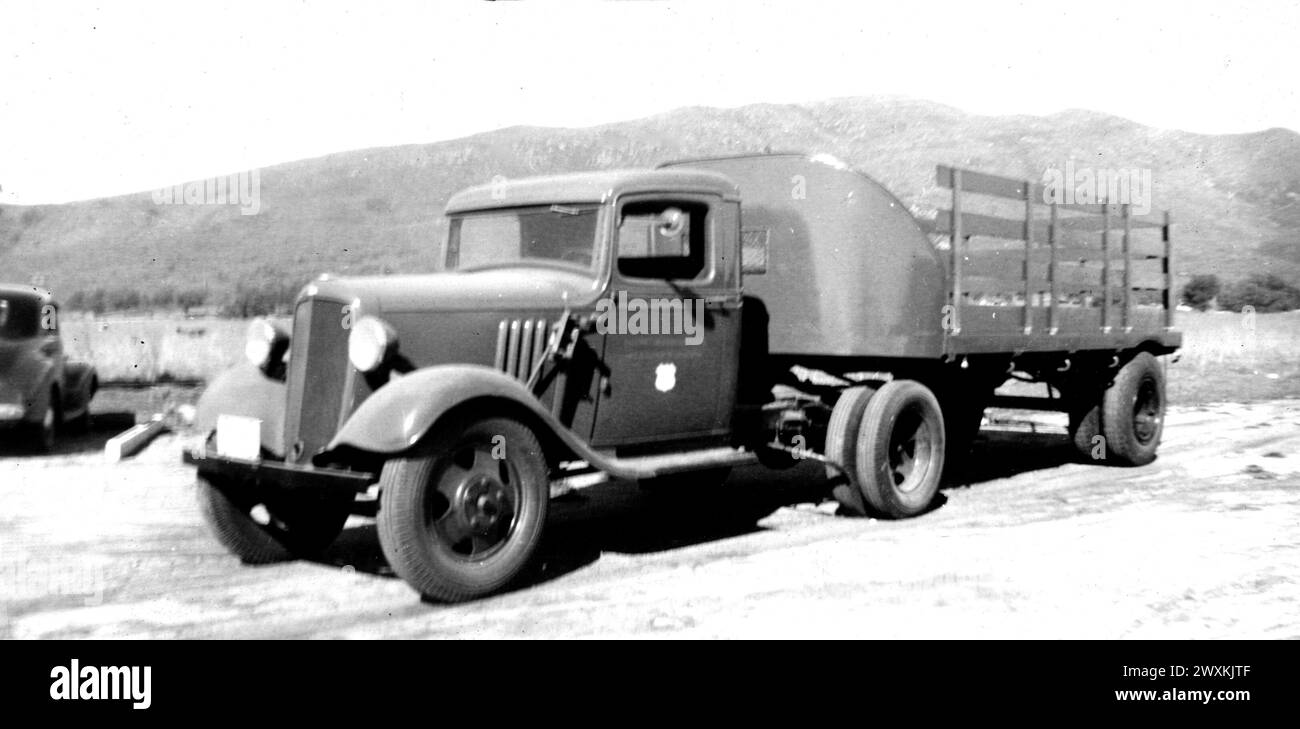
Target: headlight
{"points": [[371, 343], [265, 344]]}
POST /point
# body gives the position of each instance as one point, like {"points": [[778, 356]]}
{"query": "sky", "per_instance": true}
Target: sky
{"points": [[104, 99]]}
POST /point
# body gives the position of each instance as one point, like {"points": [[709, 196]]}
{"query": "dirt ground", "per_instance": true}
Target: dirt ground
{"points": [[1204, 543]]}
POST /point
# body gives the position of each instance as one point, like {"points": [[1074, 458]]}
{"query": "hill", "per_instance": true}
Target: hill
{"points": [[1236, 198]]}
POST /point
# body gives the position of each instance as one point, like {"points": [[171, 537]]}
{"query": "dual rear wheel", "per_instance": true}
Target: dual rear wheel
{"points": [[1122, 422], [891, 441]]}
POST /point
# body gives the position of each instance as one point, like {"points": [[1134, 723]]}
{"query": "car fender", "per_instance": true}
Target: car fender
{"points": [[246, 391], [80, 382], [35, 383], [399, 414]]}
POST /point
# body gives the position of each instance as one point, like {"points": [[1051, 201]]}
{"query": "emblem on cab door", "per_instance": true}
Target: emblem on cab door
{"points": [[665, 376]]}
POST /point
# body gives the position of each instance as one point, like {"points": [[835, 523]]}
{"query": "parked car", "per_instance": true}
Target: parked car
{"points": [[41, 392], [665, 326]]}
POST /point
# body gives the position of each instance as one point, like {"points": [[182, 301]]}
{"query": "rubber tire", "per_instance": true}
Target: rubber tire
{"points": [[42, 436], [1122, 443], [1085, 426], [879, 419], [307, 528], [412, 549], [842, 446]]}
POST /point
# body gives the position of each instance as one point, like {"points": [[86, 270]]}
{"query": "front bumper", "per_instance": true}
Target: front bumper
{"points": [[276, 474]]}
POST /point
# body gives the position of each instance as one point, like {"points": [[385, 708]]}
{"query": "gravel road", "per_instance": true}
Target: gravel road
{"points": [[1204, 543]]}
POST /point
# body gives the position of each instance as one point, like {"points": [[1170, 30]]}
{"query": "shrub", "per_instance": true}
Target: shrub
{"points": [[1264, 291], [122, 299], [1199, 293], [190, 298], [163, 298]]}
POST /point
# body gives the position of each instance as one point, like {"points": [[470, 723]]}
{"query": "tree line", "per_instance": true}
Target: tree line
{"points": [[246, 299], [1265, 292]]}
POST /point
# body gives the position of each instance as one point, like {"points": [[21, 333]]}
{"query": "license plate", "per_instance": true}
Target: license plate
{"points": [[239, 437]]}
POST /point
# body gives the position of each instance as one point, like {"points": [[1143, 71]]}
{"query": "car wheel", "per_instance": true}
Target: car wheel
{"points": [[1133, 411], [462, 518], [45, 432], [258, 532]]}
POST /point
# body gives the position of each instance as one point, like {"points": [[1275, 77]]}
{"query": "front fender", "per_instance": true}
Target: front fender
{"points": [[245, 390], [399, 414]]}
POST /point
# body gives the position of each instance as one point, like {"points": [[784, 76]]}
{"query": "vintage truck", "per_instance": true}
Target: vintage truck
{"points": [[41, 390], [668, 325]]}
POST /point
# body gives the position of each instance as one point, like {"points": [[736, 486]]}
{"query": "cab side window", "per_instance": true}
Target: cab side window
{"points": [[662, 239]]}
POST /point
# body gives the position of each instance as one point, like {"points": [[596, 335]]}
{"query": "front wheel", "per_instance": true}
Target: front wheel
{"points": [[271, 527], [462, 518]]}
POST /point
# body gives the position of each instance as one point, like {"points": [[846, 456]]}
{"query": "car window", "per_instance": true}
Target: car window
{"points": [[662, 240], [19, 318]]}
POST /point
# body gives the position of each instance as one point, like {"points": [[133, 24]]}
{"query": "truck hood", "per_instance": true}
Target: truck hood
{"points": [[491, 289]]}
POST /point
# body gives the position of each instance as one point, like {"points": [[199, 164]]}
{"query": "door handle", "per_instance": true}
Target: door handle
{"points": [[721, 302]]}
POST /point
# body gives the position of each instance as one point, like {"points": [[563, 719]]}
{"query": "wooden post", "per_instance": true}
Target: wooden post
{"points": [[1127, 322], [1169, 273], [957, 240], [1105, 268], [1052, 324], [1027, 319]]}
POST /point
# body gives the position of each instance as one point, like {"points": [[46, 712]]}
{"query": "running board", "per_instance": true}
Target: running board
{"points": [[643, 467]]}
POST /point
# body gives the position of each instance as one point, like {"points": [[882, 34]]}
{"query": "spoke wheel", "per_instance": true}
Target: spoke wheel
{"points": [[474, 509], [461, 517]]}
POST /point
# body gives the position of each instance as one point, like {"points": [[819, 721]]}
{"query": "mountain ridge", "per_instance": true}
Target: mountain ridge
{"points": [[1235, 198]]}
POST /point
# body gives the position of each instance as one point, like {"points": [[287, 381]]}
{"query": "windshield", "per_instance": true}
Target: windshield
{"points": [[18, 318], [566, 234]]}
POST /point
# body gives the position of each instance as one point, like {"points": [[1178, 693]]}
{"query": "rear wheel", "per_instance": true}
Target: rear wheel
{"points": [[1133, 411], [900, 453], [271, 528], [1085, 430], [462, 518], [842, 446], [43, 434]]}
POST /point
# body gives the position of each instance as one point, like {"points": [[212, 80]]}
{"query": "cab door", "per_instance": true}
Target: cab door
{"points": [[670, 323]]}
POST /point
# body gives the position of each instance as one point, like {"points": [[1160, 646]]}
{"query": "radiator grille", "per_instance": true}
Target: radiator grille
{"points": [[318, 370], [520, 344]]}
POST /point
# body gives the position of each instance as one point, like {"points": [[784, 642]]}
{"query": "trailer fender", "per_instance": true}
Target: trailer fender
{"points": [[399, 414]]}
